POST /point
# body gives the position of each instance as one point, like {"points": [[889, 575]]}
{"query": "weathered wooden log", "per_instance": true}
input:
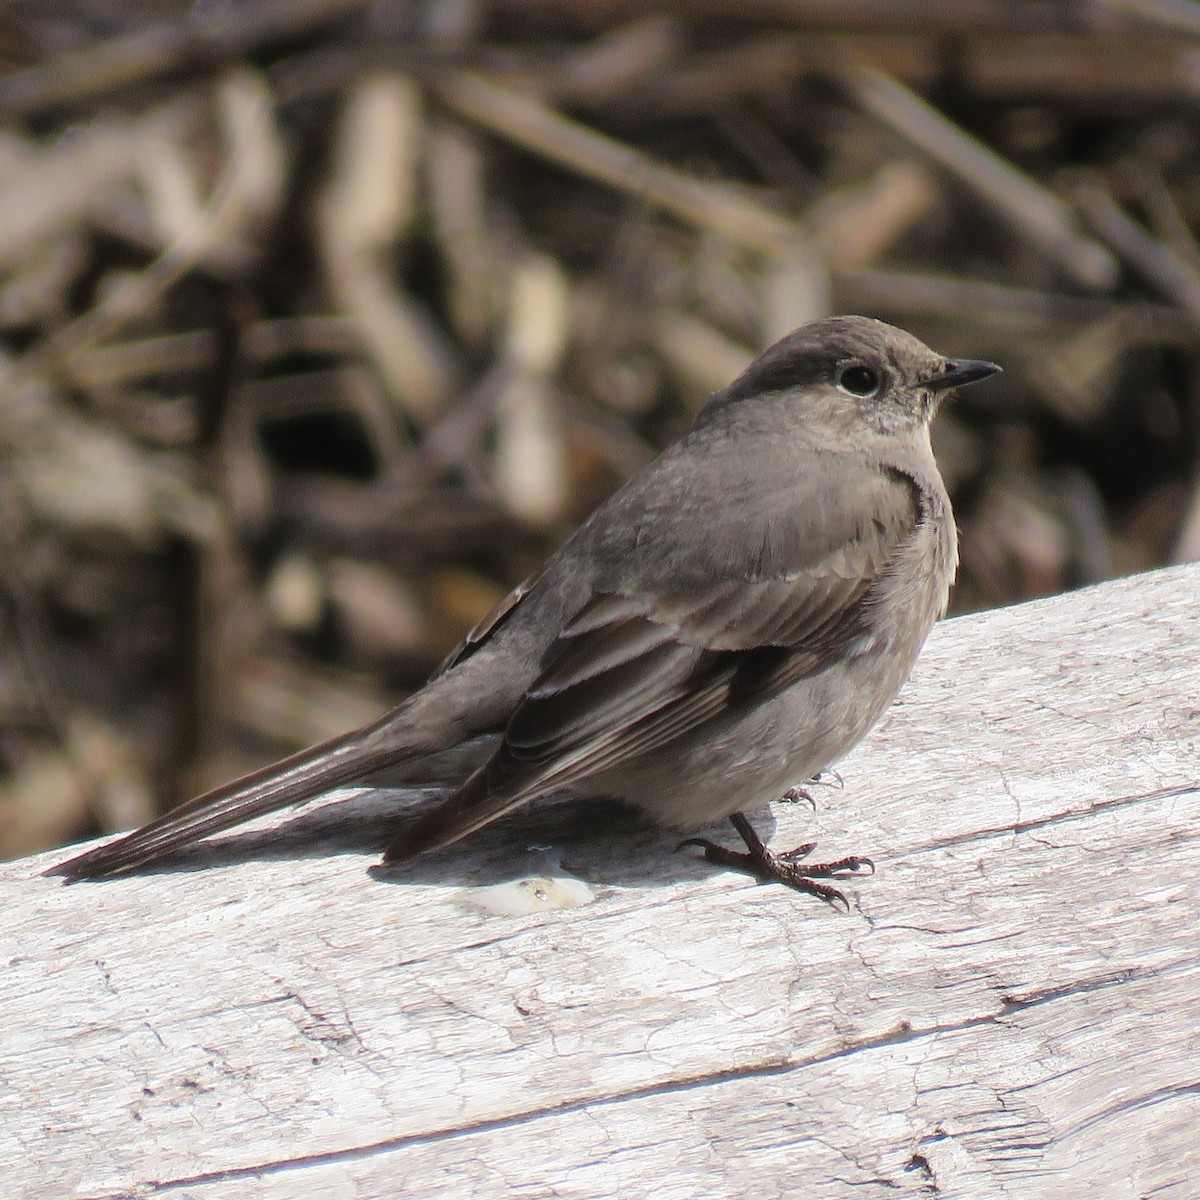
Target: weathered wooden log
{"points": [[1009, 1009]]}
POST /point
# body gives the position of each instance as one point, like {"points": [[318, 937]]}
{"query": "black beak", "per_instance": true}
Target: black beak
{"points": [[958, 371]]}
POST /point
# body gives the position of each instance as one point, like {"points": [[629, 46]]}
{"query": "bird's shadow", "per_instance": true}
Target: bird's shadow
{"points": [[602, 842]]}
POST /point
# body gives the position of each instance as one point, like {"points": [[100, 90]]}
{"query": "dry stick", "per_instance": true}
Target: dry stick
{"points": [[1145, 182], [1099, 72], [1001, 307], [1038, 213], [619, 60], [1181, 15], [148, 53], [120, 362], [703, 80], [137, 294], [192, 350], [1157, 263], [62, 185], [366, 209], [1094, 70], [763, 64], [924, 16], [536, 127]]}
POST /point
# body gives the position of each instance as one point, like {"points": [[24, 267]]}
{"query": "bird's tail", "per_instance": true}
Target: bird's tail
{"points": [[342, 760]]}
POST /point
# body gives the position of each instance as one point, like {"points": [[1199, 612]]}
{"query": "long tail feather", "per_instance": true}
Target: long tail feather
{"points": [[337, 762]]}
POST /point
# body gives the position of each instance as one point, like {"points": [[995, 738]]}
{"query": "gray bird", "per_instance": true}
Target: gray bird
{"points": [[726, 625]]}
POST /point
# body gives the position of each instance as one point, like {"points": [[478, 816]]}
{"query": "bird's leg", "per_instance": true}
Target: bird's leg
{"points": [[785, 868]]}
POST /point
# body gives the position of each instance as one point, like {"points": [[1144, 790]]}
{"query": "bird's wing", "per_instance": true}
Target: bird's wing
{"points": [[489, 626], [631, 672]]}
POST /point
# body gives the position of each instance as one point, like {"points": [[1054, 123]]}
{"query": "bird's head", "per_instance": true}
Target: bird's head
{"points": [[872, 371]]}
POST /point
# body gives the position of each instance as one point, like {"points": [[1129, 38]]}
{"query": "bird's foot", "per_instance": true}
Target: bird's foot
{"points": [[786, 868], [797, 795], [826, 778]]}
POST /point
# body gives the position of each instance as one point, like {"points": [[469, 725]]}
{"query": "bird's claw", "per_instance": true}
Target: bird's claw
{"points": [[797, 795], [786, 868]]}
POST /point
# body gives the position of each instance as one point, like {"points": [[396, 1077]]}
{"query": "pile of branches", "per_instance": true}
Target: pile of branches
{"points": [[321, 322]]}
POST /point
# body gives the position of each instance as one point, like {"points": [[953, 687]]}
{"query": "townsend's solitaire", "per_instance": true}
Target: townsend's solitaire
{"points": [[726, 625]]}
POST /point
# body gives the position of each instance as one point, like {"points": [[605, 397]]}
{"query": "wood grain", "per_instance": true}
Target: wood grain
{"points": [[1011, 1009]]}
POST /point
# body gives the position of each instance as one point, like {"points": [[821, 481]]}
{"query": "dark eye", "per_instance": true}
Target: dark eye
{"points": [[858, 380]]}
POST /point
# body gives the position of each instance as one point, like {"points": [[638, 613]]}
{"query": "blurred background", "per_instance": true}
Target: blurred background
{"points": [[323, 321]]}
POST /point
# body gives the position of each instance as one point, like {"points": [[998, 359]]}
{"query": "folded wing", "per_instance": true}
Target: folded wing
{"points": [[629, 673]]}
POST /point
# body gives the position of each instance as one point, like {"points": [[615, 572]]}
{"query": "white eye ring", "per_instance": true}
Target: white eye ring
{"points": [[857, 379]]}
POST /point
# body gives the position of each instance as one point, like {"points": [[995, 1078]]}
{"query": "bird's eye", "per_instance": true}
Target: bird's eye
{"points": [[858, 380]]}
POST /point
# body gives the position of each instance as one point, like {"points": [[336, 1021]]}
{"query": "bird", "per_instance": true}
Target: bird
{"points": [[727, 624]]}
